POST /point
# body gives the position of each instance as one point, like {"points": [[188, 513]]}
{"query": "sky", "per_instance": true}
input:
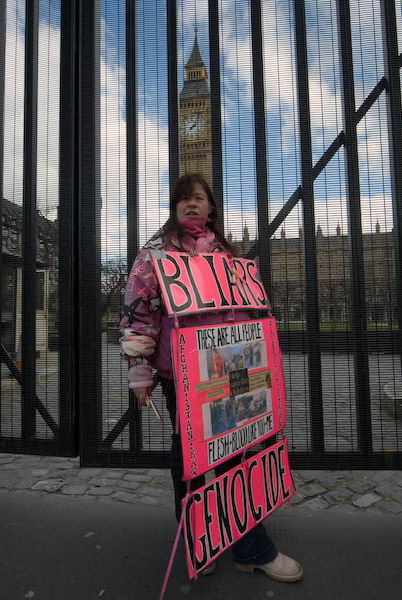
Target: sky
{"points": [[240, 192]]}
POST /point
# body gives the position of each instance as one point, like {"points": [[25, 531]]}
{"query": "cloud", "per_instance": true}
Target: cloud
{"points": [[152, 140], [48, 111], [13, 105]]}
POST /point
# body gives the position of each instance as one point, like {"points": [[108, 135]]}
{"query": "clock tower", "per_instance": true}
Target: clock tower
{"points": [[195, 117]]}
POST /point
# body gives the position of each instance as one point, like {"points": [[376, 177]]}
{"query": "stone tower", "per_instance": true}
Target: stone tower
{"points": [[195, 117]]}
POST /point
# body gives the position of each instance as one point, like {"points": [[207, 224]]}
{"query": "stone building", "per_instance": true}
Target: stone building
{"points": [[47, 278], [333, 270]]}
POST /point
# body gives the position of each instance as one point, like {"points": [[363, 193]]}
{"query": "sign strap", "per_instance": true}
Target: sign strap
{"points": [[175, 544]]}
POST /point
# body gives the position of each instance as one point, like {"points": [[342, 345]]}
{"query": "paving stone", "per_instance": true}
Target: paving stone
{"points": [[360, 486], [24, 484], [76, 490], [10, 466], [48, 485], [4, 461], [129, 485], [390, 506], [340, 494], [380, 476], [33, 472], [313, 489], [140, 478], [100, 491], [297, 498], [7, 475], [307, 476], [332, 479], [149, 500], [72, 481], [4, 491], [30, 461], [148, 491], [125, 497], [137, 471], [62, 474], [65, 465], [8, 483], [101, 481], [366, 500], [165, 483], [397, 495], [87, 473], [385, 490], [158, 472], [316, 504], [113, 474], [63, 459]]}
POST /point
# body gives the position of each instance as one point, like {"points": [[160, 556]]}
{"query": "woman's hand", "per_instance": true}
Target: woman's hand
{"points": [[143, 394]]}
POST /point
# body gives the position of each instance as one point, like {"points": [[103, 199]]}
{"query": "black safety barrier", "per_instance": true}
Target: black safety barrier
{"points": [[94, 97]]}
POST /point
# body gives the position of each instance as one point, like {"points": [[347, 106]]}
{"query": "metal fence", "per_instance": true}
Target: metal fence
{"points": [[298, 112]]}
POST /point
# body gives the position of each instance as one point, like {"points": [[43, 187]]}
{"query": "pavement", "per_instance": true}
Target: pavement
{"points": [[72, 533]]}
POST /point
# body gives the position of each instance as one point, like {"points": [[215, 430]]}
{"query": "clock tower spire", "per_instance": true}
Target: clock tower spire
{"points": [[195, 116]]}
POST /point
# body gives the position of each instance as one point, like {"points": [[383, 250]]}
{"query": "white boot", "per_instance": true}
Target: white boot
{"points": [[282, 568]]}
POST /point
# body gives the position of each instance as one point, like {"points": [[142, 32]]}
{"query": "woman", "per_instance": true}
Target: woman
{"points": [[145, 343]]}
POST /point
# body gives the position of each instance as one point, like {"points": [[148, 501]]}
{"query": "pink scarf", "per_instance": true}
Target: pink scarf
{"points": [[202, 238]]}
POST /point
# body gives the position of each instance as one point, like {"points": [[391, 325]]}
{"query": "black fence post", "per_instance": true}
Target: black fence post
{"points": [[131, 129], [359, 315], [29, 233], [3, 13], [67, 226], [264, 247], [216, 118], [392, 65], [310, 250], [89, 198], [135, 428], [173, 107]]}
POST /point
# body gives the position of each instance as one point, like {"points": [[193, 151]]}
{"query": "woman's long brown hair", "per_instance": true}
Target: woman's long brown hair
{"points": [[172, 231]]}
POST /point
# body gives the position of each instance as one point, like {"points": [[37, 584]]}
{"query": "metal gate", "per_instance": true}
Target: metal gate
{"points": [[298, 112]]}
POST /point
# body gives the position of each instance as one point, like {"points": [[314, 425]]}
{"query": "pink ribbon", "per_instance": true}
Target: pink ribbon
{"points": [[175, 544]]}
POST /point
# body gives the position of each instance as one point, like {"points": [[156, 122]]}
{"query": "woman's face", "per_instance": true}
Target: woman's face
{"points": [[196, 205]]}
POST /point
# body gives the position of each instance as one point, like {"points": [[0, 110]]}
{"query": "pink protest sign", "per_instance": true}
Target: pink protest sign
{"points": [[208, 282], [230, 390], [221, 512]]}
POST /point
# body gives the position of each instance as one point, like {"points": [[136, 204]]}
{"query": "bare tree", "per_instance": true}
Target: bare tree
{"points": [[113, 281]]}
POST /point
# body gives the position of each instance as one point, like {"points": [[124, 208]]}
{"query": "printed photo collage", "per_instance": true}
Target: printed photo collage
{"points": [[250, 391]]}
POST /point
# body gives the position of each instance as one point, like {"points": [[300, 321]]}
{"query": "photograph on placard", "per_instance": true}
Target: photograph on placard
{"points": [[218, 362]]}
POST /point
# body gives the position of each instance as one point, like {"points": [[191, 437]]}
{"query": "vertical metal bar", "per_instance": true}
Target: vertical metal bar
{"points": [[90, 339], [132, 183], [393, 91], [264, 250], [28, 354], [3, 13], [173, 106], [131, 129], [312, 309], [359, 317], [216, 119], [67, 220]]}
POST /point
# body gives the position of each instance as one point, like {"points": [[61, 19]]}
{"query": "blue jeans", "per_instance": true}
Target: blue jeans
{"points": [[256, 547]]}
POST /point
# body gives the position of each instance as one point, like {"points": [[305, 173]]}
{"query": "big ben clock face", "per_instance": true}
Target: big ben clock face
{"points": [[192, 126]]}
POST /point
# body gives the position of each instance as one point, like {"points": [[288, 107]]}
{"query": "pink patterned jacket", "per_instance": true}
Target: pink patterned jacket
{"points": [[145, 327]]}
